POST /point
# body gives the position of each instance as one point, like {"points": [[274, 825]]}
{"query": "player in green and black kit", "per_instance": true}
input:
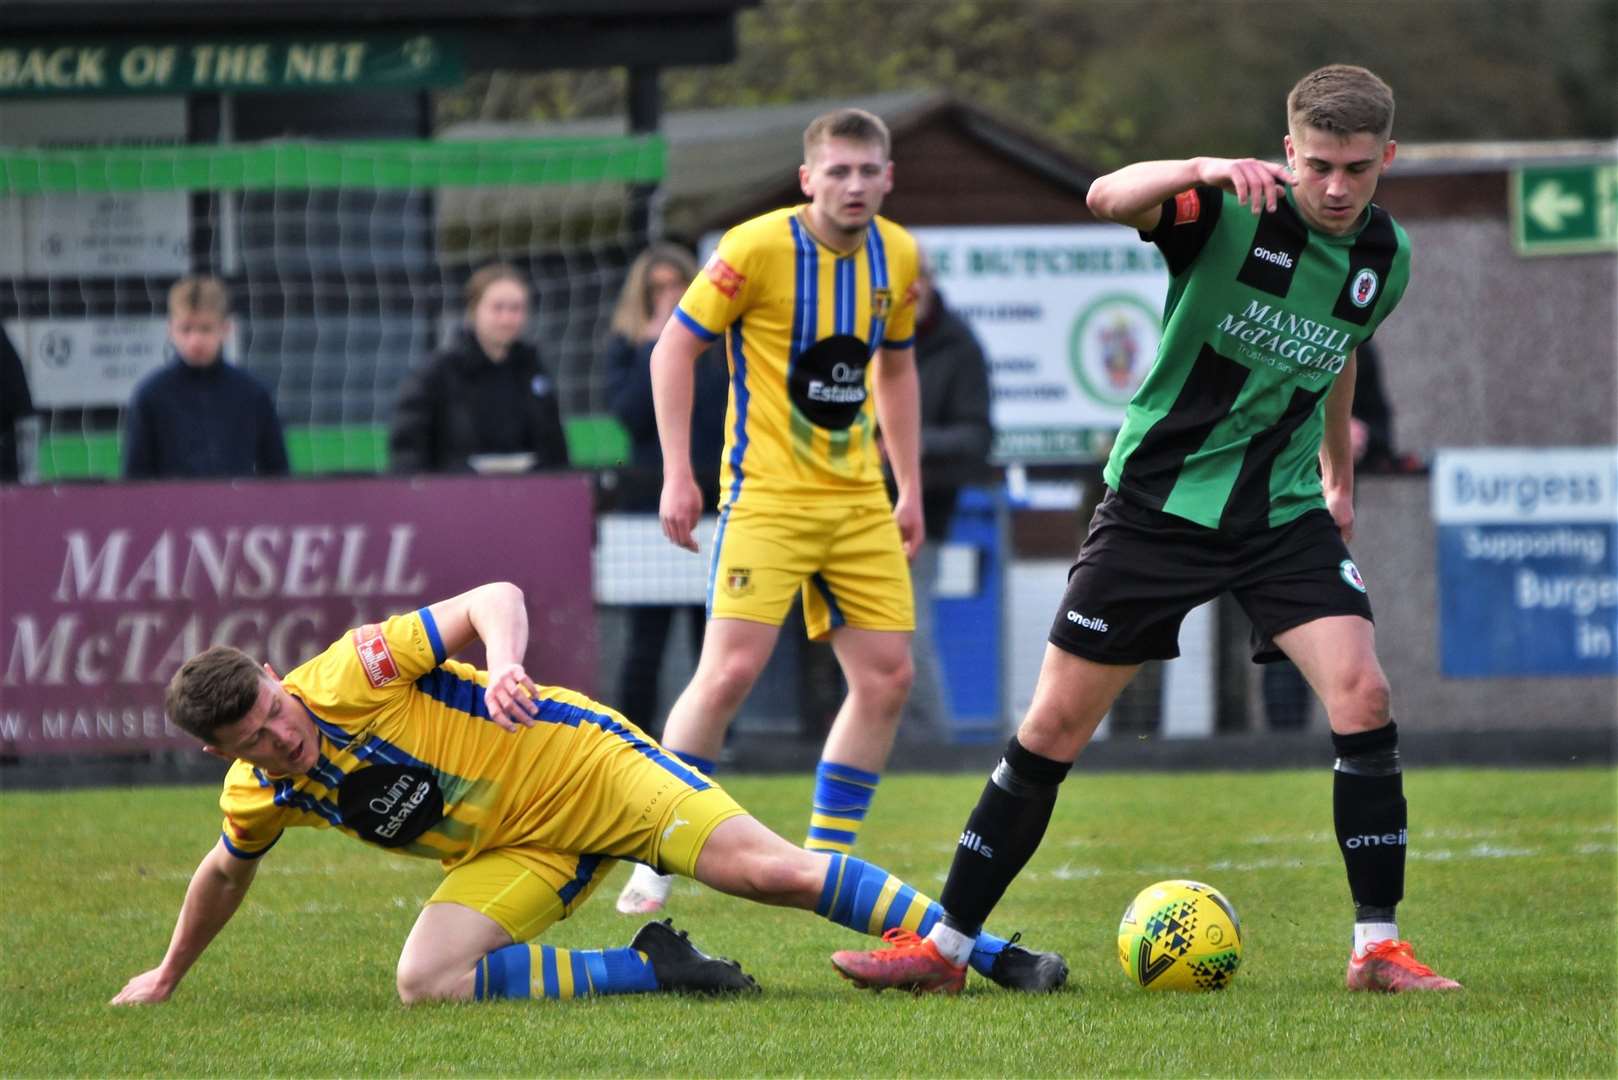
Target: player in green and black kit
{"points": [[1232, 473]]}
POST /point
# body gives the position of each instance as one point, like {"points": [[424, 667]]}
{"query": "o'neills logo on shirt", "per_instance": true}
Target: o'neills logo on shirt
{"points": [[1276, 258], [375, 658]]}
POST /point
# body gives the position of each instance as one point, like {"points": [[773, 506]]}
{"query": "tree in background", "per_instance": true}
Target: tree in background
{"points": [[1118, 80]]}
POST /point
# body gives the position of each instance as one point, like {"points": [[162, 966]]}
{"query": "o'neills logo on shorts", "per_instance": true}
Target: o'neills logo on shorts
{"points": [[1098, 625], [375, 658]]}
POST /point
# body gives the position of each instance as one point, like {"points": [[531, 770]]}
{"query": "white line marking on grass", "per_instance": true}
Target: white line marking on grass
{"points": [[1165, 871]]}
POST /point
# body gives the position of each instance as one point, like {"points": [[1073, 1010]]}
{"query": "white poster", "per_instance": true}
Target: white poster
{"points": [[95, 234], [1069, 316], [106, 235], [74, 363]]}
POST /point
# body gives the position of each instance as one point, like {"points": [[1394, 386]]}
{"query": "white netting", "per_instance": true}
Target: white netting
{"points": [[345, 261]]}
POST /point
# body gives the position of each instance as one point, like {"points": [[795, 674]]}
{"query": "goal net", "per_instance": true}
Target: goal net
{"points": [[345, 261]]}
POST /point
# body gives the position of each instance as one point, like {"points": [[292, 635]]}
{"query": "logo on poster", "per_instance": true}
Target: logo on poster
{"points": [[1112, 345]]}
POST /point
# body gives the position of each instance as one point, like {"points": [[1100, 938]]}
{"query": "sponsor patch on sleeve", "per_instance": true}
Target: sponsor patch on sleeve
{"points": [[724, 276], [1187, 207], [375, 658]]}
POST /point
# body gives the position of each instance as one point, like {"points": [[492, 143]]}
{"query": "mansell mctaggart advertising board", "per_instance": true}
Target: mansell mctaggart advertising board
{"points": [[106, 590]]}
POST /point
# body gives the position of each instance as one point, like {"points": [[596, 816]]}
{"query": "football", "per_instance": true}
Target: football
{"points": [[1180, 935]]}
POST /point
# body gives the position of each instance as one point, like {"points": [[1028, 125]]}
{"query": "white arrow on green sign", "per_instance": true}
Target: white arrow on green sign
{"points": [[1565, 209]]}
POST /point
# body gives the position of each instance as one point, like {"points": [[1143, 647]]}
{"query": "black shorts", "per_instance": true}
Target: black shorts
{"points": [[1141, 570]]}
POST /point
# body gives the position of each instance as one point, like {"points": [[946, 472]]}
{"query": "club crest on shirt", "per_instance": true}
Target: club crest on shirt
{"points": [[726, 278], [375, 657], [881, 302], [738, 580], [1363, 288]]}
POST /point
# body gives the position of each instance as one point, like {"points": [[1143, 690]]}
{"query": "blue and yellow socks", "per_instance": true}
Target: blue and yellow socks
{"points": [[868, 899], [842, 796], [531, 971]]}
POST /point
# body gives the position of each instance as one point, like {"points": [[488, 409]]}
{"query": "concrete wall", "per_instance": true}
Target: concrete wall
{"points": [[1492, 349]]}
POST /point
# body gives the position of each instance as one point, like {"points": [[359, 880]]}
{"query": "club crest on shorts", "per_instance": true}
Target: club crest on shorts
{"points": [[738, 580], [1351, 574]]}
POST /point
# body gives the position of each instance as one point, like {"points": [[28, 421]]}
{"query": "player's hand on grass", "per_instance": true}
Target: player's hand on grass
{"points": [[1259, 185], [510, 697], [147, 988], [679, 508]]}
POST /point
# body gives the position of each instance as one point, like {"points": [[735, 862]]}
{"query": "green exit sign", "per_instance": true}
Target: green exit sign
{"points": [[1565, 209]]}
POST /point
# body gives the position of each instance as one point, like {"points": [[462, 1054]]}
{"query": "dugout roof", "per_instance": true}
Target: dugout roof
{"points": [[531, 34]]}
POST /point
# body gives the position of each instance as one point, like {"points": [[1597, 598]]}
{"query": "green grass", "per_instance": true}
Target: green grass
{"points": [[1512, 886]]}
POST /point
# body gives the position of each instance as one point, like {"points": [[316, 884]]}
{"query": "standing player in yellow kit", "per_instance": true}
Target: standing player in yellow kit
{"points": [[816, 304], [816, 309]]}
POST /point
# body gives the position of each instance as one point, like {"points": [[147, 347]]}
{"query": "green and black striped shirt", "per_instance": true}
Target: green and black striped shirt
{"points": [[1261, 315]]}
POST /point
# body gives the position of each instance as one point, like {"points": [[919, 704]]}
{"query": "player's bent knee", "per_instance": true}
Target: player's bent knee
{"points": [[1363, 703], [418, 984], [731, 681]]}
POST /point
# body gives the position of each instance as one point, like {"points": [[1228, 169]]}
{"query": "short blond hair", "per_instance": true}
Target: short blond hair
{"points": [[1341, 99], [200, 294], [855, 125]]}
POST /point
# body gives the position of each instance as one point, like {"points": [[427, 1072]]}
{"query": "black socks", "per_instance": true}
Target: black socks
{"points": [[1368, 806], [1001, 835]]}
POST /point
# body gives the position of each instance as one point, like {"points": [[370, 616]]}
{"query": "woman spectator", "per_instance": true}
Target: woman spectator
{"points": [[657, 279], [484, 402]]}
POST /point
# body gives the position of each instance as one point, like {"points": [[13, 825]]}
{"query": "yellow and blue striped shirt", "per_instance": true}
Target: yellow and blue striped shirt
{"points": [[801, 324], [386, 695]]}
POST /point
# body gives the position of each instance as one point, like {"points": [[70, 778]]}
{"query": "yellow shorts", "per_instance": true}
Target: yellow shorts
{"points": [[848, 561], [623, 797]]}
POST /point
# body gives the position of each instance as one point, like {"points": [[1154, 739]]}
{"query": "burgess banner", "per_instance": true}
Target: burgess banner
{"points": [[105, 591]]}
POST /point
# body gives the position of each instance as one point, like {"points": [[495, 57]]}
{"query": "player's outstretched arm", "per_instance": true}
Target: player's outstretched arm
{"points": [[215, 892], [673, 362], [496, 615], [1134, 195]]}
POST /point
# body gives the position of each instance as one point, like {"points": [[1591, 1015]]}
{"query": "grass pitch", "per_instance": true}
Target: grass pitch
{"points": [[1512, 889]]}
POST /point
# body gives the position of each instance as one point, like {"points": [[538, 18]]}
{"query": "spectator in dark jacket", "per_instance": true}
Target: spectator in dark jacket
{"points": [[657, 279], [484, 402], [198, 416], [955, 439]]}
